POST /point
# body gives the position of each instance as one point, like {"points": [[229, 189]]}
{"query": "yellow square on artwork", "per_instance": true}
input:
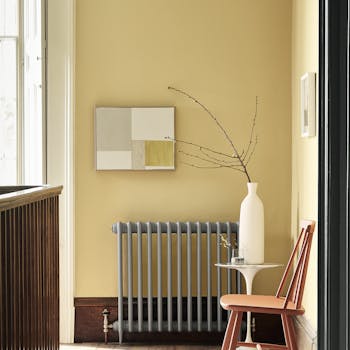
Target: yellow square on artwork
{"points": [[159, 153]]}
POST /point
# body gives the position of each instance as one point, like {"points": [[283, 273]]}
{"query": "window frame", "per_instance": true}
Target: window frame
{"points": [[19, 88], [334, 175], [20, 109]]}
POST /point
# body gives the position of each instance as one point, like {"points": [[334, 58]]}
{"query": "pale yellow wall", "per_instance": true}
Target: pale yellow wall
{"points": [[305, 150], [224, 52]]}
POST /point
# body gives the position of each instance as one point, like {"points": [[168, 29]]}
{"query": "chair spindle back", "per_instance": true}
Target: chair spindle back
{"points": [[297, 283]]}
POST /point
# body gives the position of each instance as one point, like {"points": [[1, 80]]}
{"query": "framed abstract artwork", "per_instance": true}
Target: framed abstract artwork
{"points": [[308, 104], [134, 138]]}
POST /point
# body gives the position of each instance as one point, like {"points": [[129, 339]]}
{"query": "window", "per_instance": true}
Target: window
{"points": [[8, 91], [21, 92]]}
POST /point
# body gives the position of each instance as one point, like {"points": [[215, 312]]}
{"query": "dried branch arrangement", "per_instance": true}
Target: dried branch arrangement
{"points": [[212, 158], [224, 242]]}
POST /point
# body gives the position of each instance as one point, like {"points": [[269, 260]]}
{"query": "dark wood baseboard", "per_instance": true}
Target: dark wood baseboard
{"points": [[89, 319], [89, 326]]}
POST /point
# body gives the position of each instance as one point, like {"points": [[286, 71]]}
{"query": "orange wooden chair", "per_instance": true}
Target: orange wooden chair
{"points": [[287, 306]]}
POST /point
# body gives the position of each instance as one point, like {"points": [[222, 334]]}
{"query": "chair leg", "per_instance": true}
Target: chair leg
{"points": [[236, 331], [228, 333], [288, 330], [232, 331], [292, 332]]}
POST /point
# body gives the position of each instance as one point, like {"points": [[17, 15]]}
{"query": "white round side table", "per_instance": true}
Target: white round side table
{"points": [[248, 271]]}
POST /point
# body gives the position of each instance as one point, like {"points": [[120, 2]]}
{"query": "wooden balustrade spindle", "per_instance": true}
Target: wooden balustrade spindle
{"points": [[29, 284]]}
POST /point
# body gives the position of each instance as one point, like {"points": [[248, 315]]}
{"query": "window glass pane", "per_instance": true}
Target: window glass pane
{"points": [[8, 112], [32, 94], [8, 17]]}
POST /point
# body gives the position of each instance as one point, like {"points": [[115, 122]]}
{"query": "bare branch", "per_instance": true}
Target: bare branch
{"points": [[252, 129], [201, 146], [217, 159], [199, 157], [251, 153], [211, 115], [209, 167], [224, 241], [242, 158], [217, 164], [202, 167]]}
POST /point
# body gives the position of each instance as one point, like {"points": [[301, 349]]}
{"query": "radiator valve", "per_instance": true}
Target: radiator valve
{"points": [[105, 314]]}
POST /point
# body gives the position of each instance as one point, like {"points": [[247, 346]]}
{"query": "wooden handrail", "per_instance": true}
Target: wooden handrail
{"points": [[15, 196]]}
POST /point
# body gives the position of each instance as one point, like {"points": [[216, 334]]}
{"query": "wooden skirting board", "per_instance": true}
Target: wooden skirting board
{"points": [[89, 326], [306, 335]]}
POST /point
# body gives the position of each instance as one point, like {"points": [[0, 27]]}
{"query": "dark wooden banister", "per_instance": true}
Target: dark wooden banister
{"points": [[29, 285]]}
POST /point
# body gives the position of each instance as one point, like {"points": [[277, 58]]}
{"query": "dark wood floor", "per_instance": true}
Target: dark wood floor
{"points": [[136, 347]]}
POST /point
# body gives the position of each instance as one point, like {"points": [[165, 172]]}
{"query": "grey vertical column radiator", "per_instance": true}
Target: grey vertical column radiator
{"points": [[167, 280]]}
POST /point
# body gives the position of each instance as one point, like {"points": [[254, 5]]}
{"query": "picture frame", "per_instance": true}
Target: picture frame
{"points": [[308, 104], [134, 138]]}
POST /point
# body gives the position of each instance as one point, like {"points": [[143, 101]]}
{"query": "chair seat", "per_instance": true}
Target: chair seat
{"points": [[269, 304]]}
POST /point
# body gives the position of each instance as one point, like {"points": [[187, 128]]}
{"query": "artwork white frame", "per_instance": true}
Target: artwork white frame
{"points": [[308, 104], [134, 138]]}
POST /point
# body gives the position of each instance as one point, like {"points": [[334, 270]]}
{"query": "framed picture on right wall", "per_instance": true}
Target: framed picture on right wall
{"points": [[308, 104]]}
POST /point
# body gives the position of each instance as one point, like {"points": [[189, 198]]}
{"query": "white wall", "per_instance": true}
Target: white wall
{"points": [[305, 150]]}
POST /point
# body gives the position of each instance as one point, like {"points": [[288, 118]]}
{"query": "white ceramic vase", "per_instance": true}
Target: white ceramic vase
{"points": [[251, 227]]}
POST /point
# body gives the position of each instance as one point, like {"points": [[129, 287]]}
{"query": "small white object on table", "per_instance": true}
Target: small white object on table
{"points": [[248, 271]]}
